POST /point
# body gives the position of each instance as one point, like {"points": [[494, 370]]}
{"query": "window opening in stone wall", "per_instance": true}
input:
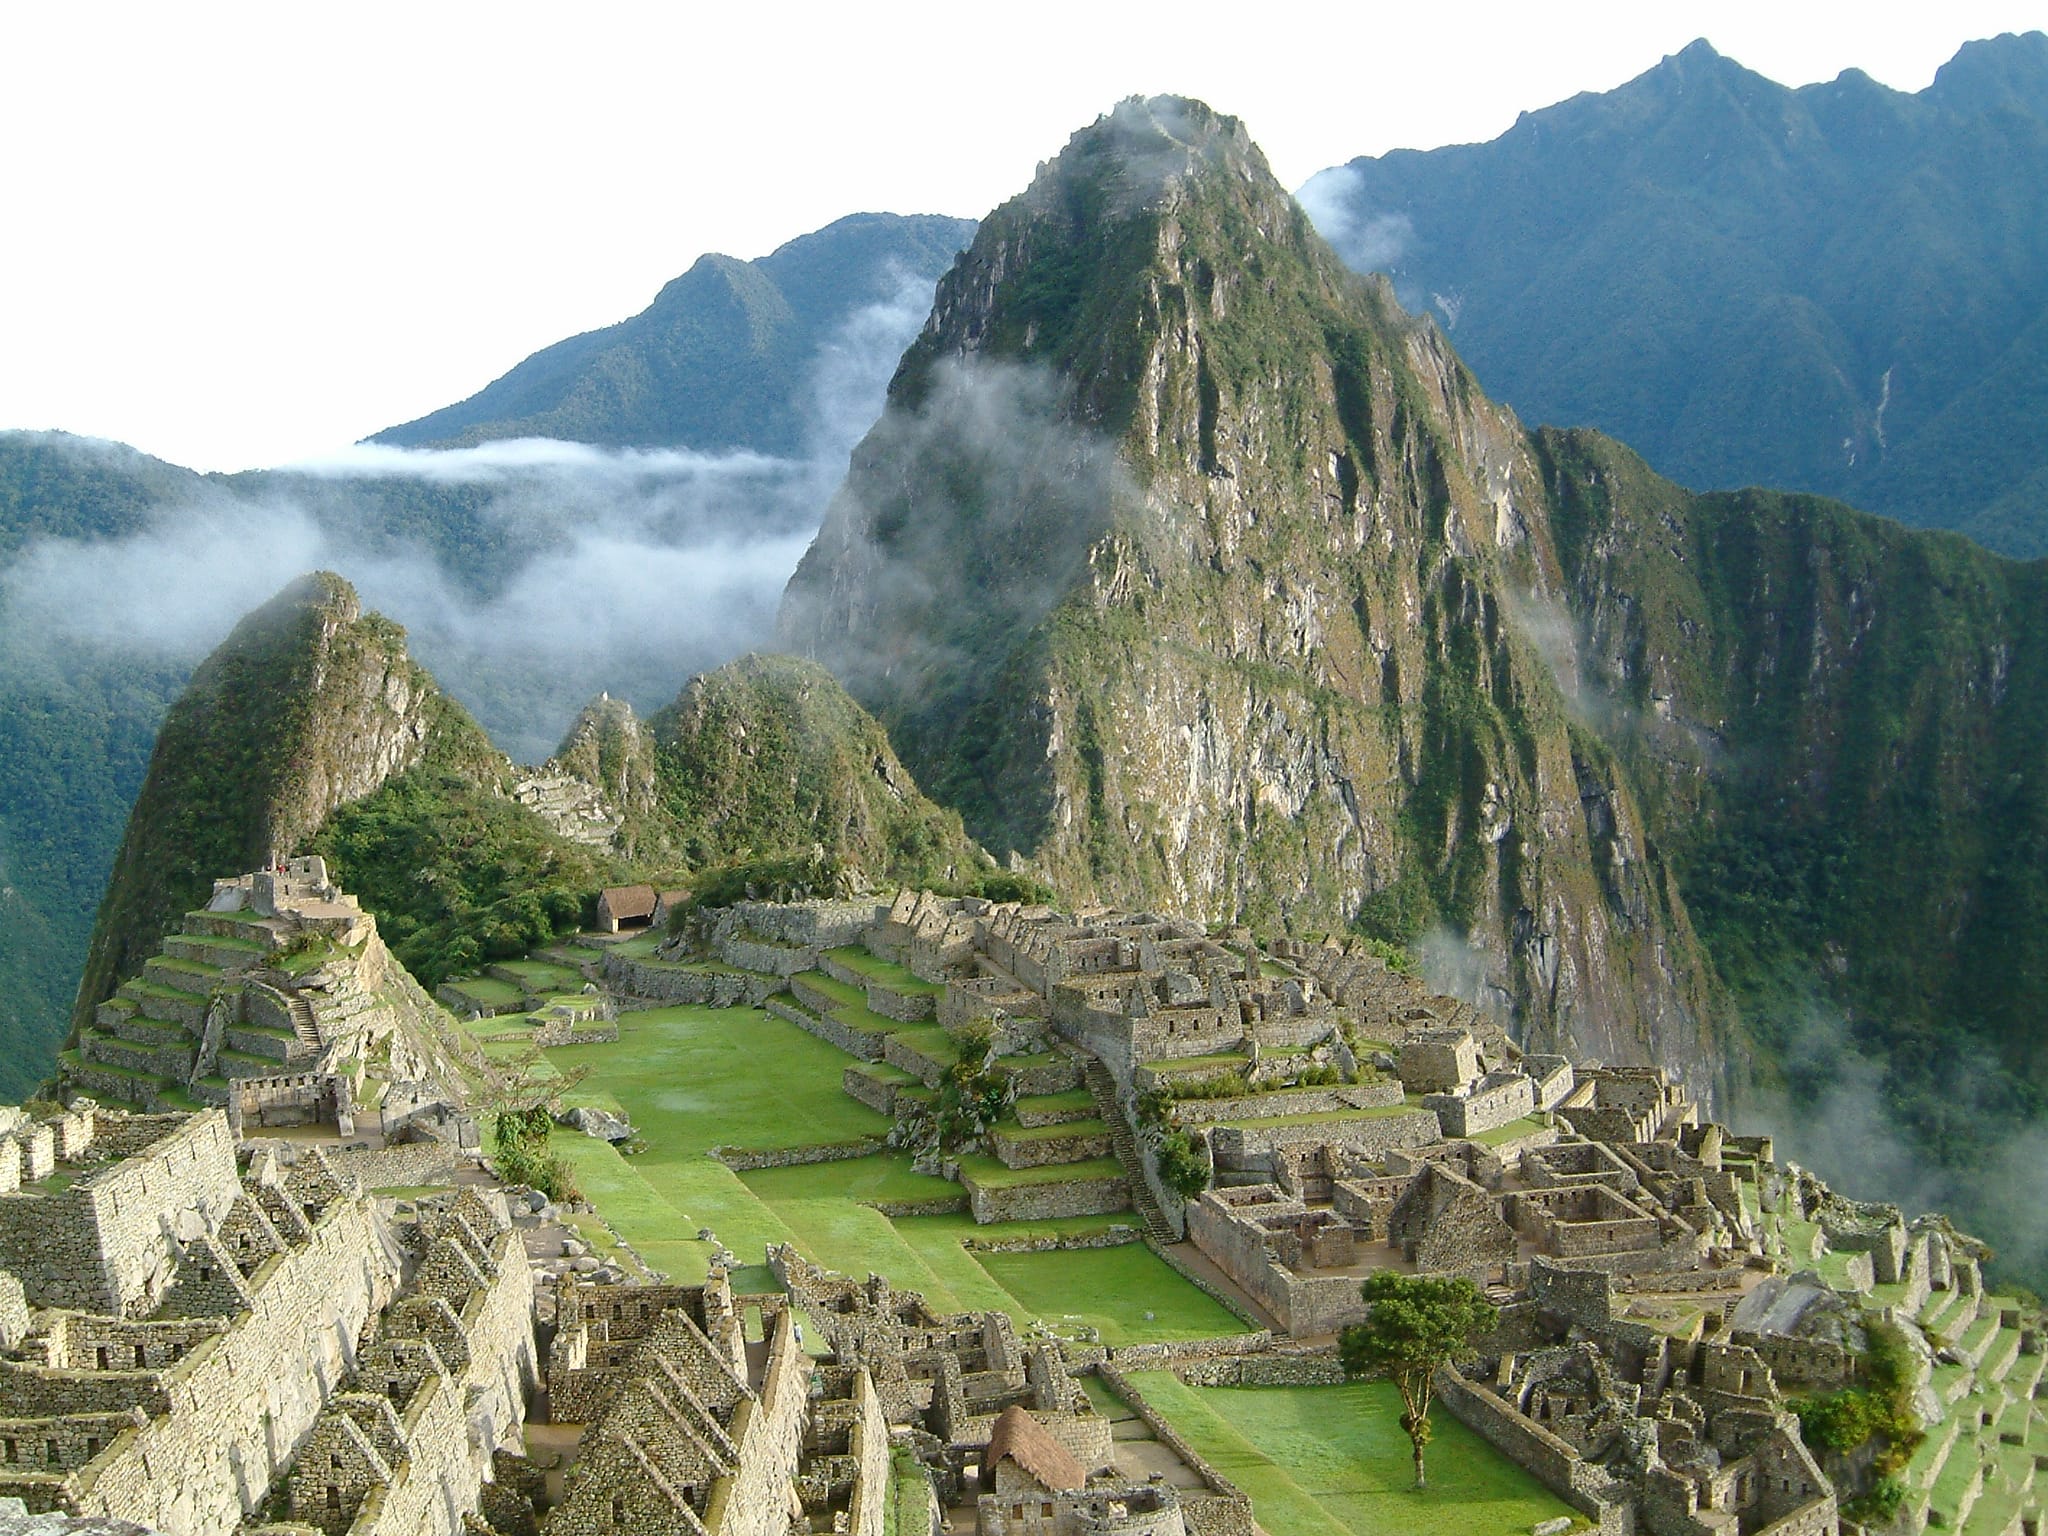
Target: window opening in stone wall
{"points": [[141, 1356], [102, 1356], [333, 1497], [11, 1448], [50, 1451], [92, 1447]]}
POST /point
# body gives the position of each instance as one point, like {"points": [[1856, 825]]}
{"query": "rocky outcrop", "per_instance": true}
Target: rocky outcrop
{"points": [[1193, 570], [602, 787]]}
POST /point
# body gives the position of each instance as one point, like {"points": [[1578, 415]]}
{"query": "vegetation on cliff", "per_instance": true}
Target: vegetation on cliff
{"points": [[1184, 563], [769, 758]]}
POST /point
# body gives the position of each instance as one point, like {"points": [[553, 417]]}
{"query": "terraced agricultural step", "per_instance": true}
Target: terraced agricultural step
{"points": [[1056, 1108], [181, 1004], [2001, 1356], [1977, 1341], [1932, 1453], [140, 1029], [226, 955], [1074, 1141], [161, 1060]]}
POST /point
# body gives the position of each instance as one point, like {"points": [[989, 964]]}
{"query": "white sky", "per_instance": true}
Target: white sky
{"points": [[241, 234]]}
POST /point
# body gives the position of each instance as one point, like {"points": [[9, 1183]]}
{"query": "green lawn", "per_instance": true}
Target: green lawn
{"points": [[1114, 1289], [489, 991], [990, 1174], [695, 1078], [829, 986], [1332, 1461], [1514, 1130], [897, 978]]}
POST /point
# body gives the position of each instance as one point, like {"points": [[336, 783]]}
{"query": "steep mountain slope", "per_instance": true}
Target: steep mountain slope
{"points": [[308, 705], [1841, 288], [1187, 564], [1840, 729], [716, 361]]}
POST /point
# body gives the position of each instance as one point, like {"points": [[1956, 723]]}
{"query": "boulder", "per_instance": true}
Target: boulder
{"points": [[600, 1123]]}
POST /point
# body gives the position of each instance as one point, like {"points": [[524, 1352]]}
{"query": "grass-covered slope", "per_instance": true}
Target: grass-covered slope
{"points": [[310, 703], [1839, 288], [718, 360]]}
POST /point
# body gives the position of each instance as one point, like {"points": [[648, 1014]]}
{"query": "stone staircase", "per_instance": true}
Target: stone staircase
{"points": [[1124, 1147], [304, 1025]]}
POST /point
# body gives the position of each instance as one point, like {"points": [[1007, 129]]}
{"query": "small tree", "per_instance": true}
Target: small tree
{"points": [[1415, 1325]]}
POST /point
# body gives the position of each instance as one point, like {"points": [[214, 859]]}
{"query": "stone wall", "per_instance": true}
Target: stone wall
{"points": [[769, 1433], [705, 987], [1498, 1099], [104, 1243], [868, 1509], [866, 1044], [1320, 1369], [1250, 1148], [1042, 1151], [1220, 1508], [1536, 1450], [743, 1160], [243, 1400], [1048, 1202], [809, 924], [869, 1090], [1289, 1101], [407, 1164]]}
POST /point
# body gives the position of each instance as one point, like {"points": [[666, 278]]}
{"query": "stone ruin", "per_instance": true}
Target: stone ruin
{"points": [[199, 1341], [1003, 1427], [277, 1002]]}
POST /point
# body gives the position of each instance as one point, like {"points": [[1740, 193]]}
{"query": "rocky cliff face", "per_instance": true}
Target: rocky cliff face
{"points": [[308, 705], [1187, 565]]}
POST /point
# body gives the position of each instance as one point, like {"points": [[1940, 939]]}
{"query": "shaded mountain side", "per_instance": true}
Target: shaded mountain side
{"points": [[310, 703], [1184, 563], [1838, 727], [718, 360], [1841, 288]]}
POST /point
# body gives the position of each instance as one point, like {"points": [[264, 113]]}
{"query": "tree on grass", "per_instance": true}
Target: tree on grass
{"points": [[1414, 1326]]}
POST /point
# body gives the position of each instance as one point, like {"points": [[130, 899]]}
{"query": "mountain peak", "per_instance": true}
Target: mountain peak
{"points": [[1144, 148]]}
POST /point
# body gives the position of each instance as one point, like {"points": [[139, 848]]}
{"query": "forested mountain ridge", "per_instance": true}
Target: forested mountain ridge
{"points": [[1841, 288]]}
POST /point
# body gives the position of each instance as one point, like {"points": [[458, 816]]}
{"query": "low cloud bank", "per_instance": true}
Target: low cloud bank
{"points": [[531, 574]]}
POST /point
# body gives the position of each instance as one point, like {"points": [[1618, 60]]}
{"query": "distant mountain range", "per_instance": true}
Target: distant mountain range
{"points": [[1841, 288], [719, 359]]}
